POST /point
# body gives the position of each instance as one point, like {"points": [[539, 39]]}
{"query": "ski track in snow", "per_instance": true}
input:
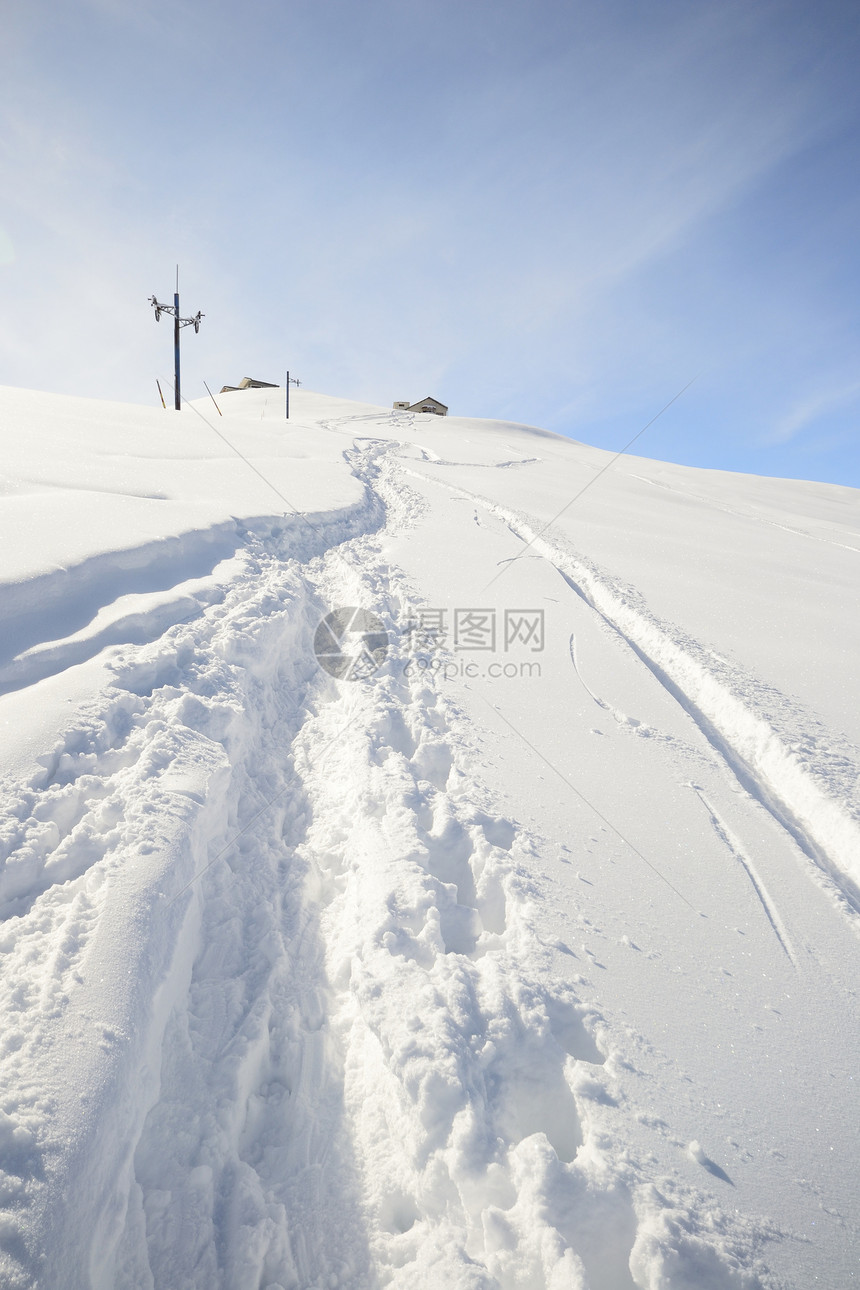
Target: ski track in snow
{"points": [[286, 1016], [747, 864], [721, 828], [778, 752]]}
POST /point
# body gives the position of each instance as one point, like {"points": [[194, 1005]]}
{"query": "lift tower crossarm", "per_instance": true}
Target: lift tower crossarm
{"points": [[171, 309]]}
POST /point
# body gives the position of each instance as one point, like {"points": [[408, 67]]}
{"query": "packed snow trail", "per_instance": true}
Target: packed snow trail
{"points": [[297, 993], [122, 819]]}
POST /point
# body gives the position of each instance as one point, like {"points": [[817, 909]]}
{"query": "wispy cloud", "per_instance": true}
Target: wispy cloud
{"points": [[812, 409]]}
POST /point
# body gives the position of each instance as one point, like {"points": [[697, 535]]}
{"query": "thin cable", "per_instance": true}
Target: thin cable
{"points": [[589, 804], [248, 462], [334, 549], [585, 487]]}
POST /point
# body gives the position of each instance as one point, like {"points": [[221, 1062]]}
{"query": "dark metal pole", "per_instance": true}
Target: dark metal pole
{"points": [[288, 396], [178, 324], [178, 403]]}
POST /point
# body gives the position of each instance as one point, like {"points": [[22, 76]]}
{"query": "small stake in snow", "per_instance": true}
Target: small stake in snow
{"points": [[212, 397], [178, 322], [161, 396], [291, 380]]}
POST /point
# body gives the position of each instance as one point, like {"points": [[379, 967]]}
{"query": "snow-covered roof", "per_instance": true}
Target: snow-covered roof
{"points": [[249, 383]]}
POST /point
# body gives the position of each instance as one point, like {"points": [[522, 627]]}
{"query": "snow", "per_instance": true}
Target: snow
{"points": [[532, 966]]}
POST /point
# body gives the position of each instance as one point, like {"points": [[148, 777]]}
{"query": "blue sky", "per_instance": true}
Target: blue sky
{"points": [[556, 213]]}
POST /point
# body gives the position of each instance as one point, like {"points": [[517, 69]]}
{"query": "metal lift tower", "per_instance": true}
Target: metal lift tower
{"points": [[178, 322]]}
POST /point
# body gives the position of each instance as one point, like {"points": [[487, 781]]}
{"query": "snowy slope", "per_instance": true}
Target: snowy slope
{"points": [[527, 960]]}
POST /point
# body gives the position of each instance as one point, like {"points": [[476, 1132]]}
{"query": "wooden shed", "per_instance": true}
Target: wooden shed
{"points": [[423, 405]]}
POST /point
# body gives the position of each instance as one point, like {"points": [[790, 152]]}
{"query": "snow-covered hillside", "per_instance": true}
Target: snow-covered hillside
{"points": [[522, 953]]}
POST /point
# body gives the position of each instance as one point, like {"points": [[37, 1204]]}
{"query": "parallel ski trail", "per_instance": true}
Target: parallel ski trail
{"points": [[745, 861], [805, 783]]}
